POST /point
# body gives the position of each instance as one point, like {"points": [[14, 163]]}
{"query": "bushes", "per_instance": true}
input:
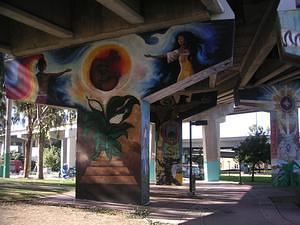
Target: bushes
{"points": [[52, 158]]}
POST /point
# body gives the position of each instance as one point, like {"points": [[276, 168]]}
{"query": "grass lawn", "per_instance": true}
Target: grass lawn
{"points": [[50, 182], [27, 189], [246, 179]]}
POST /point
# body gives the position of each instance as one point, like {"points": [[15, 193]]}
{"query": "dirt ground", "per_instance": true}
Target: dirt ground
{"points": [[25, 214]]}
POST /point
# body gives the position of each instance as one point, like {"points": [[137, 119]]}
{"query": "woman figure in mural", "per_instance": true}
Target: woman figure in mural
{"points": [[168, 176], [43, 78], [184, 51]]}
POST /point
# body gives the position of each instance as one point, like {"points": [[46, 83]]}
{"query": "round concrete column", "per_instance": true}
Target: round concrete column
{"points": [[211, 150]]}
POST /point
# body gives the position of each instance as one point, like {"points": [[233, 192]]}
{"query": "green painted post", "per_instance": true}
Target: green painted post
{"points": [[7, 139], [6, 165]]}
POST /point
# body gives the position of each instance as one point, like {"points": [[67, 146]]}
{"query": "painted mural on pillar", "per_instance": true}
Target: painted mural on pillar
{"points": [[281, 101], [289, 22], [169, 154], [107, 81]]}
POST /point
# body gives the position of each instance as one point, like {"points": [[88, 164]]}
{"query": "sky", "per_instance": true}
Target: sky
{"points": [[234, 126]]}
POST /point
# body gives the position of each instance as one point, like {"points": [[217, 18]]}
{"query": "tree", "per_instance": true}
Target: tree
{"points": [[255, 149], [48, 117], [26, 112], [52, 158], [39, 119]]}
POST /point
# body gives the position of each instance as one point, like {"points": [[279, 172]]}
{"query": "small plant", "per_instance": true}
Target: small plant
{"points": [[108, 125]]}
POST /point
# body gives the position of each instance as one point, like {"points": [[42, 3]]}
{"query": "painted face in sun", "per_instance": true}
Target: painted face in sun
{"points": [[105, 72], [106, 66]]}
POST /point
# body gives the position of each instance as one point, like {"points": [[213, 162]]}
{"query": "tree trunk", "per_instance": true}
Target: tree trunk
{"points": [[252, 177], [27, 158], [41, 156]]}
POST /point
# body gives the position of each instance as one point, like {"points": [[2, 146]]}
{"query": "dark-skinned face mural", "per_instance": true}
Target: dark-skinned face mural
{"points": [[107, 82]]}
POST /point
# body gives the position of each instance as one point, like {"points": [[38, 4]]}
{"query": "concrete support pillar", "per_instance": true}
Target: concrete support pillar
{"points": [[211, 139], [112, 156], [152, 153], [285, 152], [70, 147], [169, 153], [63, 153], [211, 150]]}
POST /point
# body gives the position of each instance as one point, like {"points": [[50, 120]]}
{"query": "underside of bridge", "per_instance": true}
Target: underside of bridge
{"points": [[255, 59], [33, 26]]}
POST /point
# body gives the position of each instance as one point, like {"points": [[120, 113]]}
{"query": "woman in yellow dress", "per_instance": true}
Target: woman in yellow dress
{"points": [[182, 54]]}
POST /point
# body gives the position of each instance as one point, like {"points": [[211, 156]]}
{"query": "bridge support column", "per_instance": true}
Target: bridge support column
{"points": [[211, 150], [112, 161], [285, 153], [169, 153], [211, 139]]}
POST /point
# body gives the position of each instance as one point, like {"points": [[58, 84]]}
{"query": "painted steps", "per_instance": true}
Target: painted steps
{"points": [[104, 171]]}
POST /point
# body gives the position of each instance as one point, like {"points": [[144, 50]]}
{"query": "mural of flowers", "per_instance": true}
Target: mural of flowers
{"points": [[110, 124]]}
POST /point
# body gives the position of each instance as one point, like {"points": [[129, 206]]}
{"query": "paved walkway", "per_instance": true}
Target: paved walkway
{"points": [[213, 204]]}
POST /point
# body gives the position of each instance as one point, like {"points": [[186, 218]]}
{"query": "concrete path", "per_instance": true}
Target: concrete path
{"points": [[213, 204]]}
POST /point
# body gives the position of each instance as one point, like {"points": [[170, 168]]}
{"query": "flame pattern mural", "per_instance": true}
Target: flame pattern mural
{"points": [[281, 101], [107, 81]]}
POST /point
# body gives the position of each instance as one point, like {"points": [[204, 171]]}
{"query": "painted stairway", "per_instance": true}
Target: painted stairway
{"points": [[103, 171], [114, 178]]}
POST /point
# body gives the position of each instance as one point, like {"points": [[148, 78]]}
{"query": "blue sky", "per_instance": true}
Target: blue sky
{"points": [[235, 125]]}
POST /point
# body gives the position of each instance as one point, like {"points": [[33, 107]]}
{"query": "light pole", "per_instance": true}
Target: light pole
{"points": [[238, 154], [192, 179], [191, 149], [240, 164]]}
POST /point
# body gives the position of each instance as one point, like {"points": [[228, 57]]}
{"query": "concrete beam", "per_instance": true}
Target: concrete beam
{"points": [[212, 80], [273, 74], [33, 21], [214, 6], [123, 10], [287, 77], [93, 22], [263, 42], [5, 48]]}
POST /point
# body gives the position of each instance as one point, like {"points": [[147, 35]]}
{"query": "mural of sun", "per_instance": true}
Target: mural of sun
{"points": [[106, 67]]}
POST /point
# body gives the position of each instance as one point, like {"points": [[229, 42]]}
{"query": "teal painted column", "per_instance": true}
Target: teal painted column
{"points": [[212, 170], [6, 165], [7, 139], [152, 154], [211, 150]]}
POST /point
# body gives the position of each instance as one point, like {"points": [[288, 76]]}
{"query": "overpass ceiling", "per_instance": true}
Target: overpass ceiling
{"points": [[256, 58], [33, 26]]}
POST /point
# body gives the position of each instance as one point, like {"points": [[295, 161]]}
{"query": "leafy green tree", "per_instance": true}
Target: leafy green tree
{"points": [[26, 113], [255, 149], [16, 156], [40, 119], [52, 158]]}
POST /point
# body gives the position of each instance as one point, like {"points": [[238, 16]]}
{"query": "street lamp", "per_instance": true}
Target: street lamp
{"points": [[192, 179], [238, 153]]}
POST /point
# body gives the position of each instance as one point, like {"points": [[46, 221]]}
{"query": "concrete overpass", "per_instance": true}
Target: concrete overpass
{"points": [[116, 38]]}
